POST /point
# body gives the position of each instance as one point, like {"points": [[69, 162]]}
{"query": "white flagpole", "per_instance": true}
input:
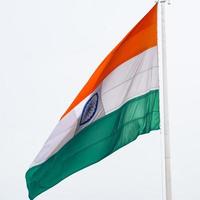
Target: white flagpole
{"points": [[165, 130]]}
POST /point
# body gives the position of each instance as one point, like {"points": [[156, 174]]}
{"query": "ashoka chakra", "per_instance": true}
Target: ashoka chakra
{"points": [[89, 109]]}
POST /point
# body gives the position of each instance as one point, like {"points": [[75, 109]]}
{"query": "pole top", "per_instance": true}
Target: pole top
{"points": [[164, 1]]}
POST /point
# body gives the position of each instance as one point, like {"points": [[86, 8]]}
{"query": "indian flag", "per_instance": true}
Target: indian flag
{"points": [[119, 102]]}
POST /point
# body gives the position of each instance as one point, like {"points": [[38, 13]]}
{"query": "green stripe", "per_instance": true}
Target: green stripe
{"points": [[98, 140]]}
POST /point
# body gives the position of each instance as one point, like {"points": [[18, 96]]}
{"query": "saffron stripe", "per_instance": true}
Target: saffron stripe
{"points": [[142, 37]]}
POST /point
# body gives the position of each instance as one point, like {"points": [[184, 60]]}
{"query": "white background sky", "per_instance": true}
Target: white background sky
{"points": [[48, 49]]}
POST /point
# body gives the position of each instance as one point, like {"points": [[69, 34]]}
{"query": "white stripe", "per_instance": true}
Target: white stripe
{"points": [[61, 134], [132, 78]]}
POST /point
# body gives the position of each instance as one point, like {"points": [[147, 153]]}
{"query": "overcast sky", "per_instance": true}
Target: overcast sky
{"points": [[48, 50]]}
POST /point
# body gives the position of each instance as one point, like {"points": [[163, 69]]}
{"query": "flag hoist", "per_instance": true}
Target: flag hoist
{"points": [[119, 102]]}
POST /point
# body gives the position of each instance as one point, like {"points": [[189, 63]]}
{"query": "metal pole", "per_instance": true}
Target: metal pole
{"points": [[166, 136]]}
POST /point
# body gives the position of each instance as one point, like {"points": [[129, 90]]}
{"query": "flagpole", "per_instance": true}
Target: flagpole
{"points": [[165, 130]]}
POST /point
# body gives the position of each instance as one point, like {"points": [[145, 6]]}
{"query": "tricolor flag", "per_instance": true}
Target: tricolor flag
{"points": [[119, 102]]}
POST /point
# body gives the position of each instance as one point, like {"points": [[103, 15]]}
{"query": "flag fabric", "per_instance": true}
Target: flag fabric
{"points": [[119, 102]]}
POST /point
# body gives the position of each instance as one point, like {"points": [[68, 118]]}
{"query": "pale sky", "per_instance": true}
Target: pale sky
{"points": [[48, 50]]}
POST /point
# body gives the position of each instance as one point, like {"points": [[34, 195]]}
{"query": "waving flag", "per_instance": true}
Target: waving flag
{"points": [[118, 103]]}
